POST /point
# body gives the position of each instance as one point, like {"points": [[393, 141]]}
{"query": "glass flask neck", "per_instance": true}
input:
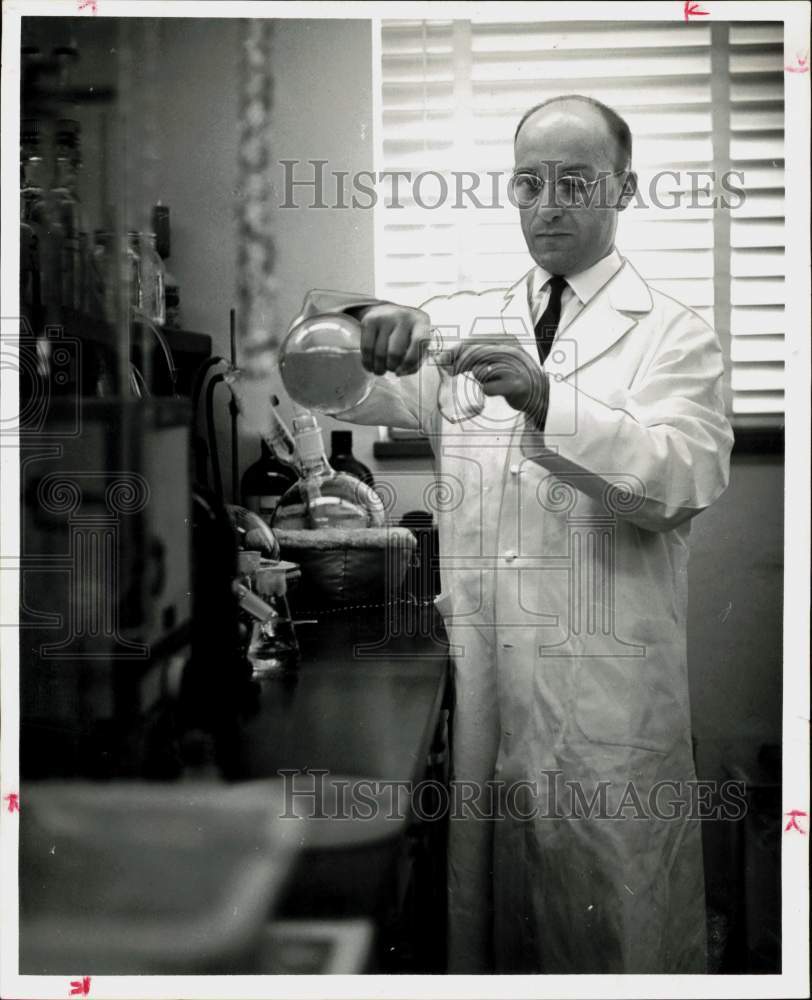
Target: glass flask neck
{"points": [[278, 447], [310, 447]]}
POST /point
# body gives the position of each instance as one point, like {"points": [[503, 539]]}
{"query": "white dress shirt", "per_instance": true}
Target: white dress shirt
{"points": [[580, 288]]}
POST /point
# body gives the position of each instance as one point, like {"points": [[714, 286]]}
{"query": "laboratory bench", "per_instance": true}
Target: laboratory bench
{"points": [[363, 721], [365, 710]]}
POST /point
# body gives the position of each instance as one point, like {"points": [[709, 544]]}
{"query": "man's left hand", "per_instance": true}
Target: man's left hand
{"points": [[503, 368]]}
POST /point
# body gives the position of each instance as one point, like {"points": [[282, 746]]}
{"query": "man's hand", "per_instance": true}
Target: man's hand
{"points": [[503, 368], [392, 338]]}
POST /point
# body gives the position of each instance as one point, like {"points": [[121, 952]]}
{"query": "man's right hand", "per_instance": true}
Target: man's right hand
{"points": [[392, 338]]}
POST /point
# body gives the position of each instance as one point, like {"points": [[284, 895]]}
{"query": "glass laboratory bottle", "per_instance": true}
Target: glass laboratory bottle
{"points": [[102, 277], [151, 297], [132, 268], [69, 211], [161, 226], [343, 460], [264, 482], [43, 232], [322, 497], [31, 210]]}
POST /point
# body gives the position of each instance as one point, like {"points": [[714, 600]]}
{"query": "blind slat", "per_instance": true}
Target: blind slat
{"points": [[523, 38], [518, 95], [756, 32], [756, 321], [754, 262], [757, 232], [757, 291], [765, 403], [757, 377], [757, 349]]}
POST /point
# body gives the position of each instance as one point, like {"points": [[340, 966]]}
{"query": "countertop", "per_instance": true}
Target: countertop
{"points": [[365, 703], [365, 700]]}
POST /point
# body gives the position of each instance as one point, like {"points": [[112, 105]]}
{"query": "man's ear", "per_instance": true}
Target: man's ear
{"points": [[628, 191]]}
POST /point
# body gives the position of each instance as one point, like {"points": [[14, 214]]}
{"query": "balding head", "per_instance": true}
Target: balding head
{"points": [[617, 132]]}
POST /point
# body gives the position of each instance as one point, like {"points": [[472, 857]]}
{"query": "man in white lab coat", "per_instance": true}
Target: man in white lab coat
{"points": [[564, 547]]}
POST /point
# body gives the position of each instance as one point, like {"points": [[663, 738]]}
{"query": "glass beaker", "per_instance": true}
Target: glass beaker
{"points": [[459, 397], [274, 648]]}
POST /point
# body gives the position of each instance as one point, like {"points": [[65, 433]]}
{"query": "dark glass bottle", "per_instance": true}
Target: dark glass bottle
{"points": [[163, 244], [264, 482], [343, 460]]}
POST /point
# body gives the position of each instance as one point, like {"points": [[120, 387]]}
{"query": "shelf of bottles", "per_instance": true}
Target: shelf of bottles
{"points": [[100, 291]]}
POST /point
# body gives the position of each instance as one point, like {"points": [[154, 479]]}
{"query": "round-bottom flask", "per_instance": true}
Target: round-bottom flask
{"points": [[320, 364], [321, 368], [322, 497]]}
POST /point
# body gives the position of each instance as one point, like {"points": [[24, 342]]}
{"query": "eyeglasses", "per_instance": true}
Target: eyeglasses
{"points": [[571, 190]]}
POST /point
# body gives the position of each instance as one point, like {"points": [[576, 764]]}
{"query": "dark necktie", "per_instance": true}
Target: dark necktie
{"points": [[548, 322]]}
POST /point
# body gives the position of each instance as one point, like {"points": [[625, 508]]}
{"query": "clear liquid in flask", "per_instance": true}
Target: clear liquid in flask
{"points": [[320, 364]]}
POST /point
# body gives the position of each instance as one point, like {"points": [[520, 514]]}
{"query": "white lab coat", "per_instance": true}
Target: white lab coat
{"points": [[564, 567]]}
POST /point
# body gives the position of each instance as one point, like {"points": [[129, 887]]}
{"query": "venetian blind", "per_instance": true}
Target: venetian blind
{"points": [[756, 74], [453, 92]]}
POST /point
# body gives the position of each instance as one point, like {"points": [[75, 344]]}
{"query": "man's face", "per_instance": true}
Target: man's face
{"points": [[569, 140]]}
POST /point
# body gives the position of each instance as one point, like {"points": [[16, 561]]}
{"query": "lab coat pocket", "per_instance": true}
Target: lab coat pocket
{"points": [[626, 701]]}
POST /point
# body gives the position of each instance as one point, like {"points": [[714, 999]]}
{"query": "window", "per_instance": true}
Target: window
{"points": [[702, 100]]}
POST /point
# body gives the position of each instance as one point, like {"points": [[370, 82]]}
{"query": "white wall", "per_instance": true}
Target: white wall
{"points": [[197, 178], [734, 616]]}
